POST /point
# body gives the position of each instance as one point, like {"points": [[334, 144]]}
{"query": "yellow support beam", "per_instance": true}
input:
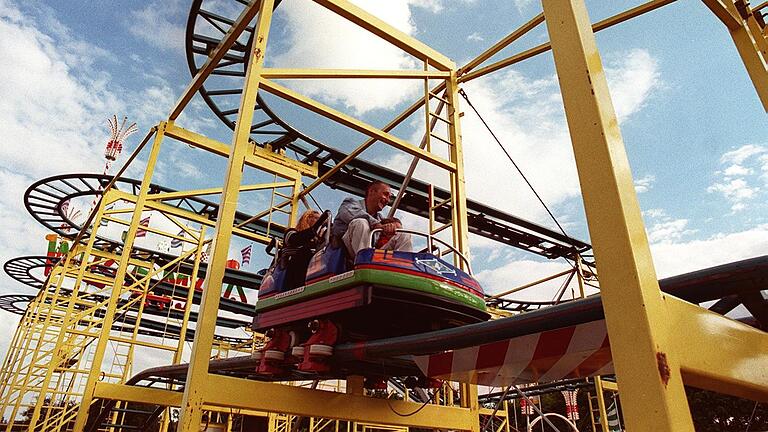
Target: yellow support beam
{"points": [[355, 124], [726, 14], [278, 73], [272, 397], [257, 157], [717, 353], [198, 376], [459, 221], [539, 49], [146, 395], [387, 32], [214, 191], [647, 368], [601, 404]]}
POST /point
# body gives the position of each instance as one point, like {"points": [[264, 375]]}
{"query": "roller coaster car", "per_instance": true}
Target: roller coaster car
{"points": [[381, 294], [153, 300]]}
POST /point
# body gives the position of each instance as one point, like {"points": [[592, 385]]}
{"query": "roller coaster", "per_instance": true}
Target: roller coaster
{"points": [[401, 339]]}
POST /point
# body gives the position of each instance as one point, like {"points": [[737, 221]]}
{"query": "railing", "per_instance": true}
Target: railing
{"points": [[430, 245]]}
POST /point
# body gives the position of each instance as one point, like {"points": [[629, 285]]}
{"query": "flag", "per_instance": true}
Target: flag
{"points": [[526, 407], [614, 423], [104, 221], [143, 223], [176, 242], [245, 253], [571, 406]]}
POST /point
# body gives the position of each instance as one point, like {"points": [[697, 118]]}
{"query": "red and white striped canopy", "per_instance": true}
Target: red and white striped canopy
{"points": [[569, 352]]}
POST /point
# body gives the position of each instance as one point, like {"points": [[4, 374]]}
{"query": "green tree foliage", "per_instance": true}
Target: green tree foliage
{"points": [[714, 412]]}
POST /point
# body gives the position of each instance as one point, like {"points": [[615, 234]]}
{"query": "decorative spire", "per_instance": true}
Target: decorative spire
{"points": [[118, 134]]}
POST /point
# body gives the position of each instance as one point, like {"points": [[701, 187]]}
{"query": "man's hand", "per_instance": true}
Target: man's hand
{"points": [[389, 225], [389, 228]]}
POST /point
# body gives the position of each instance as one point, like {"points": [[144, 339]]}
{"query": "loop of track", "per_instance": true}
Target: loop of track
{"points": [[44, 200], [9, 303], [21, 269]]}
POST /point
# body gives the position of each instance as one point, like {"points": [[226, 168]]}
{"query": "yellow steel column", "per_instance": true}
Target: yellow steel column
{"points": [[190, 297], [458, 188], [753, 58], [19, 346], [459, 216], [469, 400], [177, 355], [192, 402], [355, 385], [646, 366], [757, 33], [56, 355], [580, 275], [601, 404], [109, 315], [293, 217]]}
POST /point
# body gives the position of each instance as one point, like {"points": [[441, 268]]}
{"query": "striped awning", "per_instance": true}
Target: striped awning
{"points": [[569, 352]]}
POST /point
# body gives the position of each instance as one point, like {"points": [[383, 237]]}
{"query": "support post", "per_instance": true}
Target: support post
{"points": [[749, 45], [646, 366], [193, 399], [122, 269], [601, 404], [458, 187]]}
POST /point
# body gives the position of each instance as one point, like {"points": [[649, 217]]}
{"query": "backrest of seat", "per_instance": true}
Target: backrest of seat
{"points": [[331, 260]]}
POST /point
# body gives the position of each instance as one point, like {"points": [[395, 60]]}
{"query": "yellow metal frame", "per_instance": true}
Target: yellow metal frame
{"points": [[751, 41], [652, 357], [51, 357], [652, 360]]}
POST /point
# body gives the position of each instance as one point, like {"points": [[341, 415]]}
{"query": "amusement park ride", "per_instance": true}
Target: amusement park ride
{"points": [[105, 298]]}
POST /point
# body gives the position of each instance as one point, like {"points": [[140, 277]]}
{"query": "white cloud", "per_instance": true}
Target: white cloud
{"points": [[518, 273], [654, 213], [156, 102], [54, 107], [643, 184], [155, 25], [661, 228], [47, 104], [433, 5], [668, 231], [672, 258], [632, 78], [186, 169], [737, 170], [741, 154], [475, 37], [526, 115], [739, 182], [319, 38], [734, 189]]}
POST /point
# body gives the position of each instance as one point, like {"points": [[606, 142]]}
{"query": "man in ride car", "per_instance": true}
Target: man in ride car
{"points": [[356, 218]]}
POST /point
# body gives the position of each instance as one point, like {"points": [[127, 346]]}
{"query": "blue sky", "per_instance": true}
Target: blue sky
{"points": [[693, 126]]}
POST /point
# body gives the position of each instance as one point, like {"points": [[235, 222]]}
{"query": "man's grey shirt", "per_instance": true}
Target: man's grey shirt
{"points": [[351, 208]]}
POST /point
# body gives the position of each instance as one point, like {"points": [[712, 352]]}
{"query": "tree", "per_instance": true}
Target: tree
{"points": [[714, 412]]}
